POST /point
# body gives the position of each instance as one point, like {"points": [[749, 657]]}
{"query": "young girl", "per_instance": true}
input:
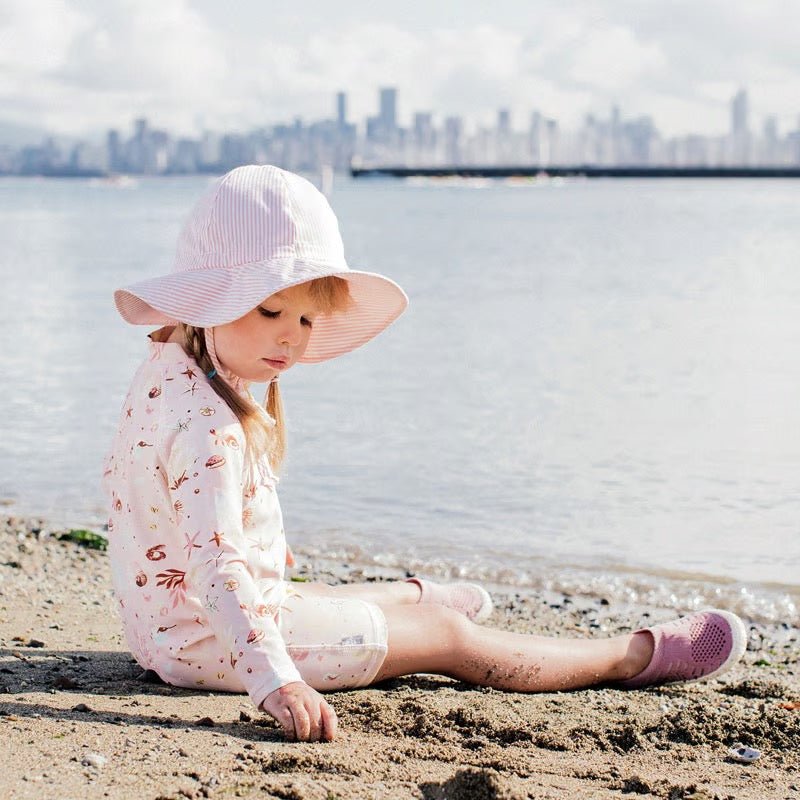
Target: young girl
{"points": [[197, 545]]}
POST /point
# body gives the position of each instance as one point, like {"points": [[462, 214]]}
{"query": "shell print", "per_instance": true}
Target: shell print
{"points": [[156, 553], [141, 579], [215, 462], [154, 392], [254, 636], [207, 411]]}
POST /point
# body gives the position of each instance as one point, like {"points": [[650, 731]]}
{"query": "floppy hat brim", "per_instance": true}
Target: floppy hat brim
{"points": [[209, 297]]}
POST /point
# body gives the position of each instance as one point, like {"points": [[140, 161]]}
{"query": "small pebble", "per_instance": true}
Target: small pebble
{"points": [[81, 707], [94, 760], [205, 722]]}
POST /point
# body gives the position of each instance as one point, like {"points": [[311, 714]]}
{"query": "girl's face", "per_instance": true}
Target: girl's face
{"points": [[269, 339]]}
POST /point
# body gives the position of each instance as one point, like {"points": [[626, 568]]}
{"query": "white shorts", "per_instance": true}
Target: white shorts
{"points": [[336, 643]]}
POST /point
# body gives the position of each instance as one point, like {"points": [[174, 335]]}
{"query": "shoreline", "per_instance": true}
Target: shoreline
{"points": [[630, 584], [79, 720]]}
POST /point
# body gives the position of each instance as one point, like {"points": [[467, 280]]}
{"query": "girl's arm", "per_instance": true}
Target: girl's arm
{"points": [[204, 465]]}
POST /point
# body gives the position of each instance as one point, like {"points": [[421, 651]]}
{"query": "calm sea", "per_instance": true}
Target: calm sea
{"points": [[595, 388]]}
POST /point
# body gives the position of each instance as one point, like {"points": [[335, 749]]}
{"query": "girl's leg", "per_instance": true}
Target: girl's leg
{"points": [[468, 599], [429, 638]]}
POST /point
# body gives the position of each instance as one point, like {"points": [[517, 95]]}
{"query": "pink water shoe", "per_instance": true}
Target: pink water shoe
{"points": [[696, 647], [469, 599]]}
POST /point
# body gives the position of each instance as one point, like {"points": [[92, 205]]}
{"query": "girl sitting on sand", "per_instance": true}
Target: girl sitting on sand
{"points": [[197, 545]]}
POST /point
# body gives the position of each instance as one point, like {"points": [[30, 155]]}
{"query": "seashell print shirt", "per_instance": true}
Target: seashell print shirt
{"points": [[197, 549]]}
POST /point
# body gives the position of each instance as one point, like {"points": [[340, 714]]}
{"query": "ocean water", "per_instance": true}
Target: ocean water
{"points": [[595, 388]]}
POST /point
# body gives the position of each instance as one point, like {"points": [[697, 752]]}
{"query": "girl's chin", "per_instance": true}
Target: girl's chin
{"points": [[266, 377]]}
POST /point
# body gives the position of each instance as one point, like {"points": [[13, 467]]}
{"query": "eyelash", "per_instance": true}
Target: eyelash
{"points": [[265, 312]]}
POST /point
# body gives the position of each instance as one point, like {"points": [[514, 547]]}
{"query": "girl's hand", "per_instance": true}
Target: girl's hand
{"points": [[302, 712]]}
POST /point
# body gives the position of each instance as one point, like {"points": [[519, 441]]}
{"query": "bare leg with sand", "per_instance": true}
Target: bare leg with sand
{"points": [[426, 637], [429, 638], [431, 630]]}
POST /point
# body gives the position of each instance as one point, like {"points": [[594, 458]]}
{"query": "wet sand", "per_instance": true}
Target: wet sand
{"points": [[79, 720]]}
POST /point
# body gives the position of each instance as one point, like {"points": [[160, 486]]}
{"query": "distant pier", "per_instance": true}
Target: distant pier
{"points": [[580, 171]]}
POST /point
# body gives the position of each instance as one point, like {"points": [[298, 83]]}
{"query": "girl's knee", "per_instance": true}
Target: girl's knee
{"points": [[453, 629]]}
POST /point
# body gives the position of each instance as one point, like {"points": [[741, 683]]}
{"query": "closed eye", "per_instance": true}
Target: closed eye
{"points": [[265, 312]]}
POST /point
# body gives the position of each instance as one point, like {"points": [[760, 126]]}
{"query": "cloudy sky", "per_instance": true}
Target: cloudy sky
{"points": [[81, 66]]}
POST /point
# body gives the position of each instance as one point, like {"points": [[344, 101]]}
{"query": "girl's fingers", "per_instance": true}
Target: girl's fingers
{"points": [[315, 724], [330, 722], [302, 722], [286, 721]]}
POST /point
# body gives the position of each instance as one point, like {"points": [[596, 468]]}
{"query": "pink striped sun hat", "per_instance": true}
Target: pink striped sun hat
{"points": [[258, 230]]}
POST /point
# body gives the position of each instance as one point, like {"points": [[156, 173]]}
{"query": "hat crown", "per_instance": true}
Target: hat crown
{"points": [[260, 214]]}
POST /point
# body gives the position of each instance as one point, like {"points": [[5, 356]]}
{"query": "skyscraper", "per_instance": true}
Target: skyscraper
{"points": [[739, 126], [504, 122], [388, 109], [739, 152], [341, 109]]}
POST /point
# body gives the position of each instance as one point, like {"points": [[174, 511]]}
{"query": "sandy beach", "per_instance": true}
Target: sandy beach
{"points": [[81, 720]]}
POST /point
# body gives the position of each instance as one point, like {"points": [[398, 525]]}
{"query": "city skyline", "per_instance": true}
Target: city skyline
{"points": [[194, 65], [380, 140]]}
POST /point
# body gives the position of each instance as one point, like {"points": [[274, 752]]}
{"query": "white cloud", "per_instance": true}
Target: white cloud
{"points": [[35, 34], [614, 60], [181, 61]]}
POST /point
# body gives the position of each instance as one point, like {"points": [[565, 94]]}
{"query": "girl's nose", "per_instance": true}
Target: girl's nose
{"points": [[291, 334]]}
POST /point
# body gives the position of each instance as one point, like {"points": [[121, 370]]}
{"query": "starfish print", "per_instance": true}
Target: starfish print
{"points": [[211, 605], [215, 559], [192, 388], [189, 373], [128, 411], [190, 544], [217, 538], [183, 424], [258, 544]]}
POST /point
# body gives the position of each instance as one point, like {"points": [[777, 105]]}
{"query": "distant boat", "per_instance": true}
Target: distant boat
{"points": [[115, 180]]}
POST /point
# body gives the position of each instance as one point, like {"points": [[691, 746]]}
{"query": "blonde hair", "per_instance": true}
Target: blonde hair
{"points": [[329, 295]]}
